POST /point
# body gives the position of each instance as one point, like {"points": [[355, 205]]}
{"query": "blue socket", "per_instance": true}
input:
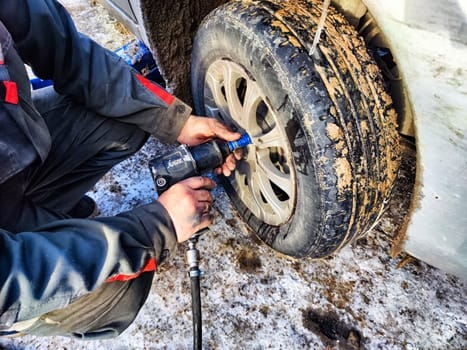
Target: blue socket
{"points": [[243, 141]]}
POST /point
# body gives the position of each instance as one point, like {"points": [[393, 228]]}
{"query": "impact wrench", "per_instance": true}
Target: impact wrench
{"points": [[179, 164]]}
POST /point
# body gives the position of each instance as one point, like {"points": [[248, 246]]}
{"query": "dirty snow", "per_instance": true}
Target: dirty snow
{"points": [[254, 298]]}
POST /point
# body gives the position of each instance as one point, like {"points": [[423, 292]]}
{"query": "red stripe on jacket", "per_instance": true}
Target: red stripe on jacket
{"points": [[151, 265], [11, 92], [156, 90]]}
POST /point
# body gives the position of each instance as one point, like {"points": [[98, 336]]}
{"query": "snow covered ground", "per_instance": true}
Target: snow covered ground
{"points": [[254, 298]]}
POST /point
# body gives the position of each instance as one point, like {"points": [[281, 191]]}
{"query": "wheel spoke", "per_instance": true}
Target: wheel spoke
{"points": [[255, 188], [273, 138], [214, 82], [230, 86], [262, 189], [252, 99], [278, 178]]}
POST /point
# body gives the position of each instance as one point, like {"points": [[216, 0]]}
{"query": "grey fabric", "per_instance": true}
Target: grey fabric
{"points": [[83, 149], [55, 146], [105, 313], [23, 134], [45, 37]]}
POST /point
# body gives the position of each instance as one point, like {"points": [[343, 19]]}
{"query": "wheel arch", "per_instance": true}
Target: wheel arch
{"points": [[170, 27], [359, 14]]}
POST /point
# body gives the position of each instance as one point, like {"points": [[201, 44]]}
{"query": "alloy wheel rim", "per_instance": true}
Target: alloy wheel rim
{"points": [[264, 179]]}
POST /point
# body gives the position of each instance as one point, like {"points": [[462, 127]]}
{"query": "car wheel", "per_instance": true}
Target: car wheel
{"points": [[325, 148]]}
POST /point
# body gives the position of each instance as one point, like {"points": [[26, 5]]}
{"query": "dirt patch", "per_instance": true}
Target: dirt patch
{"points": [[332, 329], [249, 261]]}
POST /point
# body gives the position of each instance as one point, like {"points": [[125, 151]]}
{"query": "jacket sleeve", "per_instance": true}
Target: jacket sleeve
{"points": [[58, 263], [48, 41]]}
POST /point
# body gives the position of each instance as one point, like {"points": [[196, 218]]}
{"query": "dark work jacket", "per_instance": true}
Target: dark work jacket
{"points": [[58, 264]]}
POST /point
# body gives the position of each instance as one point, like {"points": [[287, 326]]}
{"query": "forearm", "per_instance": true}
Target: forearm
{"points": [[55, 265], [47, 40]]}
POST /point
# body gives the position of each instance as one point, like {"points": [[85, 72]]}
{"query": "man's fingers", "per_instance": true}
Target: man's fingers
{"points": [[189, 205], [200, 182], [230, 162], [205, 221], [229, 165], [221, 131], [203, 206], [207, 207], [238, 153], [204, 196], [203, 217]]}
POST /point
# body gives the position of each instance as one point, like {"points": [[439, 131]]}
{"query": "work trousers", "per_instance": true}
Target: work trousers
{"points": [[84, 147]]}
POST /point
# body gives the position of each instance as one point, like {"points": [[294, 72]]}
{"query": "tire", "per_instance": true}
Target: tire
{"points": [[325, 149]]}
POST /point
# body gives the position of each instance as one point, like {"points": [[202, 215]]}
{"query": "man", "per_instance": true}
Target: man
{"points": [[60, 273]]}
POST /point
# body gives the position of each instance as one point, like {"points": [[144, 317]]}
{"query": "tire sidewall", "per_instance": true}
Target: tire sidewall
{"points": [[300, 236]]}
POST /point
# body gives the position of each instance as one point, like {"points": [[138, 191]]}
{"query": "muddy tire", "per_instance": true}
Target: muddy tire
{"points": [[325, 149]]}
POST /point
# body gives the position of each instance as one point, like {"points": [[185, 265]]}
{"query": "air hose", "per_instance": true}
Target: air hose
{"points": [[179, 164], [192, 257]]}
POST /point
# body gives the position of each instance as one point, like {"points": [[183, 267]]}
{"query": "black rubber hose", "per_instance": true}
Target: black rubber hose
{"points": [[196, 309]]}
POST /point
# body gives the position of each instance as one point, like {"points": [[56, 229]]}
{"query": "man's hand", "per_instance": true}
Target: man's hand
{"points": [[198, 130], [188, 203]]}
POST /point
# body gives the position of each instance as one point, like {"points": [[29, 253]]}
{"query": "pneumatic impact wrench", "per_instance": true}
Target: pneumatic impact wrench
{"points": [[179, 164]]}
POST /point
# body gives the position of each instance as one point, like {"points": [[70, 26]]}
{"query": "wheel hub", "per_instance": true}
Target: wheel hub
{"points": [[265, 179]]}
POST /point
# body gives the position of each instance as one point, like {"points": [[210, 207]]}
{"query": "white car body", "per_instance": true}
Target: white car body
{"points": [[428, 40]]}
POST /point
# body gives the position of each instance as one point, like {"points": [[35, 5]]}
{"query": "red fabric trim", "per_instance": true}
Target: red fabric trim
{"points": [[151, 265], [11, 92], [156, 90], [2, 63]]}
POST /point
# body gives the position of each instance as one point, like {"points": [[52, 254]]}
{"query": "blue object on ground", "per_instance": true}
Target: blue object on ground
{"points": [[38, 83], [135, 54]]}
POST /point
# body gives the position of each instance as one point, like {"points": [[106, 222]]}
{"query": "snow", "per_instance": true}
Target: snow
{"points": [[255, 298]]}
